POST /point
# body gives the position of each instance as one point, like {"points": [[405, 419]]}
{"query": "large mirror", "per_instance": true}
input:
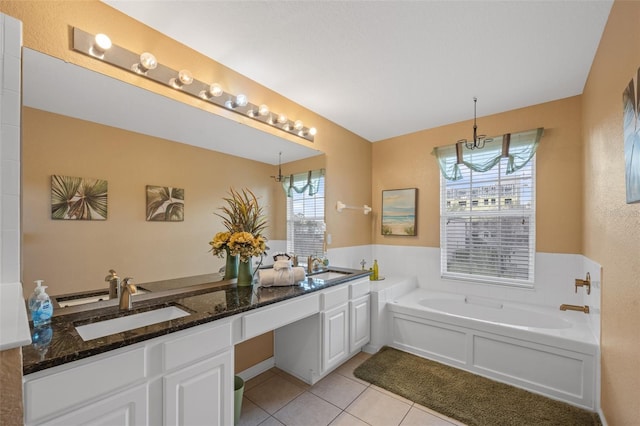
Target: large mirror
{"points": [[80, 123]]}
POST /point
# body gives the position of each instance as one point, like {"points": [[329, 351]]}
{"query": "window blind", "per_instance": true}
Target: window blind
{"points": [[488, 221], [305, 218]]}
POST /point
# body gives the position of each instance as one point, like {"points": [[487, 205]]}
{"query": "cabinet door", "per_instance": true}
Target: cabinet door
{"points": [[127, 408], [201, 394], [360, 322], [335, 336]]}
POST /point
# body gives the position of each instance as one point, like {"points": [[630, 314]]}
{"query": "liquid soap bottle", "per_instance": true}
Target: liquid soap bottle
{"points": [[374, 274], [40, 305]]}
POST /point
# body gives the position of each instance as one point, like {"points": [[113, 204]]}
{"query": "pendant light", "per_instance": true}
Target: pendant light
{"points": [[478, 140]]}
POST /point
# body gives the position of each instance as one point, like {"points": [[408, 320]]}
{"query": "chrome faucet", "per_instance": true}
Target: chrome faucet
{"points": [[114, 284], [128, 288]]}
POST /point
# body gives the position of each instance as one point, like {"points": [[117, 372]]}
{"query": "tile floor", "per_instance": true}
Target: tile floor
{"points": [[275, 398]]}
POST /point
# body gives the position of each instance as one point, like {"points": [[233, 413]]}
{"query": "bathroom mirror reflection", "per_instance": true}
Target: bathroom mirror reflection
{"points": [[80, 123]]}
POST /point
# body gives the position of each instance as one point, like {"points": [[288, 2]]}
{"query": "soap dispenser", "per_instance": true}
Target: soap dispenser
{"points": [[375, 276], [40, 305]]}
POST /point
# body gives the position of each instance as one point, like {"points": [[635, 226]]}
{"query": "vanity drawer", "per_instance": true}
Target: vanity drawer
{"points": [[334, 297], [73, 386], [270, 318], [195, 345], [360, 288]]}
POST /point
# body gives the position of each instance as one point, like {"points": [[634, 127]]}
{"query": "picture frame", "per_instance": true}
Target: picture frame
{"points": [[399, 212], [78, 198], [631, 128], [165, 204]]}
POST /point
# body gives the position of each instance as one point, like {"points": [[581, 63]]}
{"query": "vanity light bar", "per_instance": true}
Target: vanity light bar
{"points": [[145, 65]]}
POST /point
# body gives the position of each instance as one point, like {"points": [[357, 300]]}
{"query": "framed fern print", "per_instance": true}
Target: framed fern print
{"points": [[165, 204], [76, 198]]}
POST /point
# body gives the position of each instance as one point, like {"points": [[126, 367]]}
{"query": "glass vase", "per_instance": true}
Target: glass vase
{"points": [[231, 267], [245, 273]]}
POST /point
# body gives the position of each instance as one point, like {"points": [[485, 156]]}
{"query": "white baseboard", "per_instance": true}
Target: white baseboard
{"points": [[602, 418], [371, 349], [257, 369]]}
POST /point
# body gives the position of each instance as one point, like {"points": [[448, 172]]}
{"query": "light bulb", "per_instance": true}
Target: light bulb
{"points": [[298, 125], [241, 100], [184, 79], [313, 131], [101, 43], [215, 90], [282, 118], [263, 110], [147, 62]]}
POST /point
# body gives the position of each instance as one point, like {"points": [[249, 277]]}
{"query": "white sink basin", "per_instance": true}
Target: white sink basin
{"points": [[118, 325], [328, 275]]}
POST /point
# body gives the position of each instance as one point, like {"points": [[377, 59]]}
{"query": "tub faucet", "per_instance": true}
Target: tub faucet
{"points": [[128, 288], [114, 284], [584, 308], [584, 283]]}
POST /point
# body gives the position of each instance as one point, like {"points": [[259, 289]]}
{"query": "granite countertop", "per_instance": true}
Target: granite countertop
{"points": [[60, 343]]}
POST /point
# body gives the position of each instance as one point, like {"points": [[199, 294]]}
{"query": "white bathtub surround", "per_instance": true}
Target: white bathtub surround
{"points": [[502, 342], [350, 257], [593, 299], [555, 275], [383, 292]]}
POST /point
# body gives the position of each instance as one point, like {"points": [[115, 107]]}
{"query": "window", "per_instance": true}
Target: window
{"points": [[487, 229], [305, 213]]}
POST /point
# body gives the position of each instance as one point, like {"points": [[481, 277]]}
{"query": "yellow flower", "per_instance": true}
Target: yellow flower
{"points": [[219, 243], [246, 245]]}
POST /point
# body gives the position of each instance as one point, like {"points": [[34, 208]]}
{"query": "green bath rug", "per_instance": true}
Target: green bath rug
{"points": [[467, 397]]}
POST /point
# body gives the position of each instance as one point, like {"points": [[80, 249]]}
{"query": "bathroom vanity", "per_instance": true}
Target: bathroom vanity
{"points": [[180, 371]]}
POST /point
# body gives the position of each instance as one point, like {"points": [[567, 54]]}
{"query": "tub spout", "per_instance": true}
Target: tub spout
{"points": [[565, 307]]}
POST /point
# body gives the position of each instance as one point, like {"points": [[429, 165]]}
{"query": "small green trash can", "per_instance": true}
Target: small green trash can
{"points": [[238, 390]]}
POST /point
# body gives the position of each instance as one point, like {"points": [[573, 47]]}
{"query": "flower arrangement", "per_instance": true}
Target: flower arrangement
{"points": [[244, 219]]}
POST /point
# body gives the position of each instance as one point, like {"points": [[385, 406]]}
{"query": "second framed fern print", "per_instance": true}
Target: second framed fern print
{"points": [[165, 204]]}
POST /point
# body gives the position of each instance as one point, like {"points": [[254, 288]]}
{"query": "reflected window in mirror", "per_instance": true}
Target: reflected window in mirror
{"points": [[305, 213]]}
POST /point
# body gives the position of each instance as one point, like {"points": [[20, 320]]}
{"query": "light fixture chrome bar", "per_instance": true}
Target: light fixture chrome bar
{"points": [[182, 80]]}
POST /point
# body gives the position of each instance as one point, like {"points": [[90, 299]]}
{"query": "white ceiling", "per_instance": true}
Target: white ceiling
{"points": [[387, 68]]}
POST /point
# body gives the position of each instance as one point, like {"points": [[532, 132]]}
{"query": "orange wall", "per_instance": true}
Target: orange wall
{"points": [[612, 227], [406, 162]]}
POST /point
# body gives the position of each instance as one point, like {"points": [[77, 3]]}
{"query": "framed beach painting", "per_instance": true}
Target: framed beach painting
{"points": [[631, 123], [399, 211]]}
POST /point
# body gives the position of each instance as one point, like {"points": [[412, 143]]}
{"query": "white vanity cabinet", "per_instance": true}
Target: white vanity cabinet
{"points": [[311, 348], [335, 336], [360, 314], [183, 378]]}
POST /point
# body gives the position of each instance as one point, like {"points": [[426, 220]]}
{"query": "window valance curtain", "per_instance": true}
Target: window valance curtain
{"points": [[519, 148], [301, 182]]}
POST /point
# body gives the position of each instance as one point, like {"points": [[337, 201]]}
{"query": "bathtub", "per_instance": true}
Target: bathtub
{"points": [[541, 349]]}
